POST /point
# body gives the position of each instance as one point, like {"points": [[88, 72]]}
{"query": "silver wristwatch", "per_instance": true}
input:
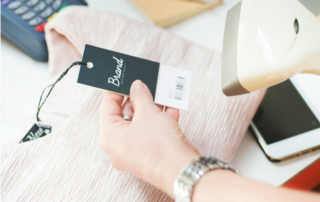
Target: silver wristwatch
{"points": [[192, 172]]}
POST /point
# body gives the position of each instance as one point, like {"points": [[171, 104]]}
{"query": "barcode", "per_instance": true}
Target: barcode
{"points": [[179, 88]]}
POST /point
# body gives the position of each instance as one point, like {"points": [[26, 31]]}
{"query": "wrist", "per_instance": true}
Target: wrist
{"points": [[171, 169], [211, 181]]}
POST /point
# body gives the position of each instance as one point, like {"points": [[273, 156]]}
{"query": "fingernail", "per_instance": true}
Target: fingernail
{"points": [[137, 85]]}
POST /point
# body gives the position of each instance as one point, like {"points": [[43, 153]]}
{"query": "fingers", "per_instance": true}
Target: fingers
{"points": [[174, 113], [319, 16], [110, 107], [127, 109], [160, 107], [141, 99]]}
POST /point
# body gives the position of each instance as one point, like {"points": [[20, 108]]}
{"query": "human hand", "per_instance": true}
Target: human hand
{"points": [[151, 146]]}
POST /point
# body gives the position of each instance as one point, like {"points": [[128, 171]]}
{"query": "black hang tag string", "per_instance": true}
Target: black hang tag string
{"points": [[38, 130]]}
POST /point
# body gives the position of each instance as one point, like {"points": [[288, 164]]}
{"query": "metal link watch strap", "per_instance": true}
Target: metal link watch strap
{"points": [[192, 172]]}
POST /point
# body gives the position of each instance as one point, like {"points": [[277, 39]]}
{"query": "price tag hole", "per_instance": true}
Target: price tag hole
{"points": [[90, 65]]}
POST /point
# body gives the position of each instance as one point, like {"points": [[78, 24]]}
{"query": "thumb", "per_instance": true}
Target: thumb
{"points": [[141, 98]]}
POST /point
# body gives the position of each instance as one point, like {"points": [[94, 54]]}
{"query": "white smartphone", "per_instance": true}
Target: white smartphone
{"points": [[287, 123]]}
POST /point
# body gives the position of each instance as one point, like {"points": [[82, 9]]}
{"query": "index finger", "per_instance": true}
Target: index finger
{"points": [[174, 113], [110, 107]]}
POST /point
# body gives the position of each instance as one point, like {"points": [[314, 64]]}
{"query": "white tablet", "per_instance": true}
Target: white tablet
{"points": [[287, 123]]}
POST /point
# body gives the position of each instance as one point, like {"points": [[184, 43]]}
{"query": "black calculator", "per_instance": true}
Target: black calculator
{"points": [[23, 21]]}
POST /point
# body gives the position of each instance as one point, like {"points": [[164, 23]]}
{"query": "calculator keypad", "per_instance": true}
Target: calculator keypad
{"points": [[28, 15], [49, 1], [56, 4], [14, 5], [21, 10], [40, 7], [46, 8], [46, 13], [32, 3], [35, 21]]}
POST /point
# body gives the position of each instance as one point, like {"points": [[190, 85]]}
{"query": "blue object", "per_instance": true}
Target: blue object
{"points": [[4, 2], [19, 19]]}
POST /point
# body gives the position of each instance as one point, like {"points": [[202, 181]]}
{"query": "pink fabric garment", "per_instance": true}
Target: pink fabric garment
{"points": [[68, 165]]}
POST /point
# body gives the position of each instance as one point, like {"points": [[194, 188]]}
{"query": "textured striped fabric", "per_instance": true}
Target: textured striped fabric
{"points": [[68, 165]]}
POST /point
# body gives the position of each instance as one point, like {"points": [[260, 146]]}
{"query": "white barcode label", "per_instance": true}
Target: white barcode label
{"points": [[173, 87], [179, 88]]}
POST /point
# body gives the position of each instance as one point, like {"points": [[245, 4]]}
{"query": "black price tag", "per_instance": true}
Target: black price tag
{"points": [[37, 131], [116, 72]]}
